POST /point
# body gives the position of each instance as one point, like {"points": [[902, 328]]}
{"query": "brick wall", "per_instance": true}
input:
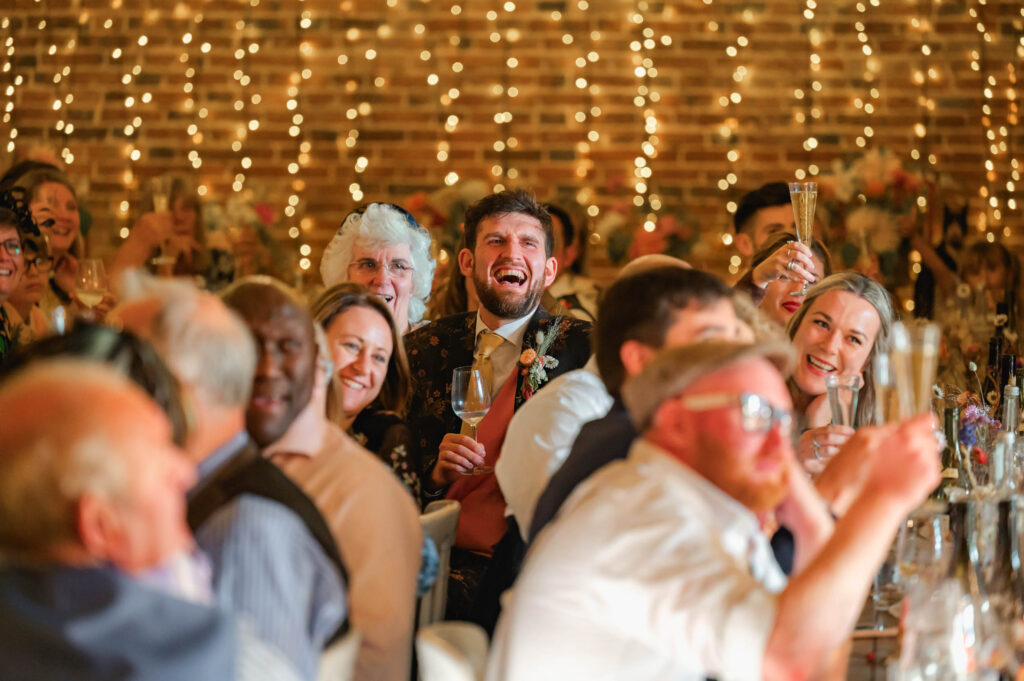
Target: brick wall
{"points": [[386, 111]]}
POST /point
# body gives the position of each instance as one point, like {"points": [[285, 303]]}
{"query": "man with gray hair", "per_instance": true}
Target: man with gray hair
{"points": [[88, 511], [658, 566], [273, 556]]}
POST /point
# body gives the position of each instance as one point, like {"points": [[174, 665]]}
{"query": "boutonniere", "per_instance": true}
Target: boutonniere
{"points": [[534, 364]]}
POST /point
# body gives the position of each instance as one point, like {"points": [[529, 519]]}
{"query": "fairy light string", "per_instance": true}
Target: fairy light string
{"points": [[13, 81], [588, 112], [644, 72]]}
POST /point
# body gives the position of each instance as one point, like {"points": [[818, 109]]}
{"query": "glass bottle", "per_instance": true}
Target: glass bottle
{"points": [[1003, 467], [954, 473], [991, 387]]}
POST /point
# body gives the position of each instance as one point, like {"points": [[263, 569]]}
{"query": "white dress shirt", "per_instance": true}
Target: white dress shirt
{"points": [[649, 572], [541, 434], [504, 358]]}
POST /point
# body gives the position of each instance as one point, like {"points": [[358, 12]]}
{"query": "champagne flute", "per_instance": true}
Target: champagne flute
{"points": [[471, 399], [160, 190], [914, 357], [804, 196], [91, 282]]}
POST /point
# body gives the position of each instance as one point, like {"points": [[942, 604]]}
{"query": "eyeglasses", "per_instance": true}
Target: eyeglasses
{"points": [[41, 263], [371, 267], [757, 414], [12, 246]]}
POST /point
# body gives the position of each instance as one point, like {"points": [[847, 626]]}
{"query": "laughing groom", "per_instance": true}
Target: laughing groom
{"points": [[512, 340]]}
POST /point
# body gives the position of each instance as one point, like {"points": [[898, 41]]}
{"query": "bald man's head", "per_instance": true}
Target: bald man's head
{"points": [[286, 351], [650, 262], [106, 485]]}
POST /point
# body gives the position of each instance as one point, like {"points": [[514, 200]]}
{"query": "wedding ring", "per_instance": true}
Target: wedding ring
{"points": [[790, 265], [815, 448]]}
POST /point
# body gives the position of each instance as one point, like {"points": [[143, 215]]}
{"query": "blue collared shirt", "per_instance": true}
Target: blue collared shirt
{"points": [[269, 568]]}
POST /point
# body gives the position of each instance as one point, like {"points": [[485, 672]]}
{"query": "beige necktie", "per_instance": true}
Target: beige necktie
{"points": [[485, 347]]}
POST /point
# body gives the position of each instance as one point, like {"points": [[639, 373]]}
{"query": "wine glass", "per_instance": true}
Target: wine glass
{"points": [[91, 282], [804, 196], [471, 399]]}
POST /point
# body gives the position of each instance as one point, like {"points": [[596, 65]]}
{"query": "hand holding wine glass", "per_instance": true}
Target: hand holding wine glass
{"points": [[471, 399], [90, 283]]}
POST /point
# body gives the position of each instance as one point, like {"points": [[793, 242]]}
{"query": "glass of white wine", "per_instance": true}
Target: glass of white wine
{"points": [[471, 399], [804, 197], [91, 282]]}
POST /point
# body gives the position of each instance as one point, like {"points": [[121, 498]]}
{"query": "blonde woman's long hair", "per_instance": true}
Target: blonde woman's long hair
{"points": [[874, 293]]}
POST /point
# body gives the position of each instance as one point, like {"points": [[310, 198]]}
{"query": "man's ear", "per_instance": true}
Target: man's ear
{"points": [[98, 528], [466, 263], [550, 271], [634, 355], [672, 432], [744, 244]]}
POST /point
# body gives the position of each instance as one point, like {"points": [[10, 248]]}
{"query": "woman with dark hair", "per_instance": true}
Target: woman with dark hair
{"points": [[778, 272], [371, 380], [455, 294]]}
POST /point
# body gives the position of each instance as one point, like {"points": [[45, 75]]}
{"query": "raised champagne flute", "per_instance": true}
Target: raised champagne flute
{"points": [[471, 399], [804, 197], [90, 283], [914, 358], [160, 190]]}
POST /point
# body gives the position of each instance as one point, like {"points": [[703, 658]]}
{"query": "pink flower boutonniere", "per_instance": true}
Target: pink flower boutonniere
{"points": [[533, 364]]}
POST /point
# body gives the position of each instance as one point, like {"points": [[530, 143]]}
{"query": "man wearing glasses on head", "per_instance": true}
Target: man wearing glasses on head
{"points": [[659, 567]]}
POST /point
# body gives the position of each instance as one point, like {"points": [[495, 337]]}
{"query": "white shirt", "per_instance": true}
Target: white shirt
{"points": [[648, 572], [541, 434], [504, 358]]}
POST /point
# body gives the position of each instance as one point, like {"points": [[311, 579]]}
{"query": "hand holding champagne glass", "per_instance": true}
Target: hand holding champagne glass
{"points": [[804, 196], [91, 282], [471, 399]]}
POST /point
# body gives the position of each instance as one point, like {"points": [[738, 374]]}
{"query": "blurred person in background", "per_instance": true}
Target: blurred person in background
{"points": [[12, 265], [382, 247], [455, 294], [169, 237], [577, 293], [54, 205], [272, 554], [761, 213]]}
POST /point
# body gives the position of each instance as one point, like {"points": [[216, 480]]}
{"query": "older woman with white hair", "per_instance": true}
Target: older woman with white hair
{"points": [[382, 247]]}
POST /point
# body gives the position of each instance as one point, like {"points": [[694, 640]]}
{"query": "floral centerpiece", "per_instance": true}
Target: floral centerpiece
{"points": [[864, 199], [626, 237]]}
